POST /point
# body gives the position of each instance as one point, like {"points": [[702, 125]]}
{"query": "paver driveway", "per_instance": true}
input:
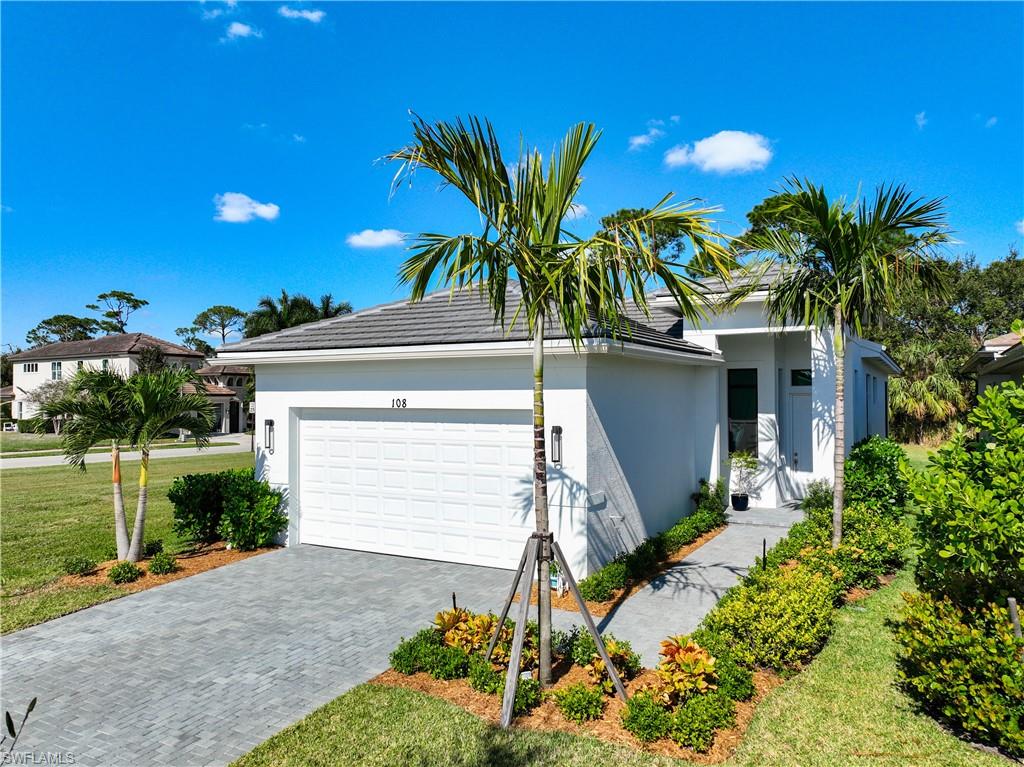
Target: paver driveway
{"points": [[200, 670]]}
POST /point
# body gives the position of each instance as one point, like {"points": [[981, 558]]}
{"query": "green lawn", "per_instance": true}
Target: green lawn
{"points": [[54, 512], [843, 710], [918, 455], [18, 443], [162, 445]]}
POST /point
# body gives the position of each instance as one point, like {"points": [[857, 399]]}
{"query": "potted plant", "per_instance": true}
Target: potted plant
{"points": [[744, 467]]}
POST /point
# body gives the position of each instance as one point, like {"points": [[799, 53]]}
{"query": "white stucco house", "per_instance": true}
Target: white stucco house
{"points": [[999, 359], [119, 352], [406, 428]]}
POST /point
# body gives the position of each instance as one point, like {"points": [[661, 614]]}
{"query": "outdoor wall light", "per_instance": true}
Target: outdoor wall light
{"points": [[268, 435], [556, 445]]}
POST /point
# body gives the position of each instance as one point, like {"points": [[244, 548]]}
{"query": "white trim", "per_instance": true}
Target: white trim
{"points": [[445, 351]]}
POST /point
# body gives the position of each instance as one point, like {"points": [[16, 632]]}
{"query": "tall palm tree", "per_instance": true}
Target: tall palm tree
{"points": [[328, 307], [287, 311], [842, 267], [103, 406], [927, 391], [563, 278]]}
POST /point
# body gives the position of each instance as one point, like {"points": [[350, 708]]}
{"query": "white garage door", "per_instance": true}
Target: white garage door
{"points": [[448, 485]]}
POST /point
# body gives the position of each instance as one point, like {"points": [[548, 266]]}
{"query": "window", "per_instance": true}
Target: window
{"points": [[799, 377], [30, 367], [106, 364], [55, 373], [742, 406]]}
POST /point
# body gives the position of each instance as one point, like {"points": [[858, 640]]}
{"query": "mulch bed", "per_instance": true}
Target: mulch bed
{"points": [[609, 728], [189, 563], [567, 602]]}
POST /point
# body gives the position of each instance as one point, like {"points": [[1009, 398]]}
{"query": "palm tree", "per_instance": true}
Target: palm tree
{"points": [[286, 312], [563, 278], [842, 267], [927, 391], [330, 308], [134, 411]]}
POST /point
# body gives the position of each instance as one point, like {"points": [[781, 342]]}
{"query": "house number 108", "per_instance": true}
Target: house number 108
{"points": [[398, 402]]}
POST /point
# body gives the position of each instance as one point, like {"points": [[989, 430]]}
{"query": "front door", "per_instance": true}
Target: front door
{"points": [[234, 418], [799, 459]]}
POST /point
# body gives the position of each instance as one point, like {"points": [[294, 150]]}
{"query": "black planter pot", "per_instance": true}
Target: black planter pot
{"points": [[740, 501]]}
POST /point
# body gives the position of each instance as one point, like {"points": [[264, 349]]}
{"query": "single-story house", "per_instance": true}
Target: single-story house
{"points": [[998, 360], [406, 428], [226, 385], [119, 352]]}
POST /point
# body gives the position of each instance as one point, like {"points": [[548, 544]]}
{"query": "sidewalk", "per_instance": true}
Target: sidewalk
{"points": [[241, 445]]}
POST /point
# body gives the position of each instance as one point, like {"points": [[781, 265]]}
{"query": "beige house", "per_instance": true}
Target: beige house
{"points": [[226, 386], [121, 352]]}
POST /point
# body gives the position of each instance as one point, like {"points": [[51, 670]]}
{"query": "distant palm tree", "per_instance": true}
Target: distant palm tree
{"points": [[842, 267], [927, 392], [135, 411], [563, 279], [330, 308]]}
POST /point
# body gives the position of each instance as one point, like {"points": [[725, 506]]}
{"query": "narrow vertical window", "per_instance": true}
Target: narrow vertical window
{"points": [[742, 407]]}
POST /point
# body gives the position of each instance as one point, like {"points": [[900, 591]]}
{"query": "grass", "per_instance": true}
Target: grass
{"points": [[53, 512], [843, 710], [174, 445], [918, 455]]}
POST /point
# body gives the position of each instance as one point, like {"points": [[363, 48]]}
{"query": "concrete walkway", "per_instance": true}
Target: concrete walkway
{"points": [[241, 443], [677, 601]]}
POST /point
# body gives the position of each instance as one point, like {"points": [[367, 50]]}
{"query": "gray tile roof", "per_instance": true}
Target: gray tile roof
{"points": [[715, 285], [443, 318], [118, 343]]}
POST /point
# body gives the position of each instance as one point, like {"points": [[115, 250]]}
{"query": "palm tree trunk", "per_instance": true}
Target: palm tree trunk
{"points": [[839, 344], [540, 502], [120, 524], [139, 528]]}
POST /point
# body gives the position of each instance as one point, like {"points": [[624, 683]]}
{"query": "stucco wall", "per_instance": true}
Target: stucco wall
{"points": [[641, 465], [494, 383]]}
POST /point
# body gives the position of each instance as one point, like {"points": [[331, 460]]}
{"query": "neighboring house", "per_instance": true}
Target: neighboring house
{"points": [[406, 428], [6, 401], [226, 385], [60, 361], [999, 359]]}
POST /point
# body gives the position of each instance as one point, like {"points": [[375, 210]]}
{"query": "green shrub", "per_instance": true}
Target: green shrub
{"points": [[446, 662], [152, 548], [562, 642], [818, 497], [252, 515], [734, 680], [584, 651], [527, 696], [198, 501], [646, 718], [779, 619], [965, 667], [601, 585], [79, 565], [124, 572], [162, 563], [411, 654], [970, 514], [580, 703], [695, 722], [875, 474], [484, 677]]}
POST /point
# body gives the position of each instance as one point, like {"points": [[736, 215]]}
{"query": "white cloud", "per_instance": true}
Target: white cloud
{"points": [[577, 211], [991, 122], [238, 208], [297, 13], [237, 29], [376, 238], [674, 118], [921, 119], [645, 139], [1020, 227], [218, 11], [298, 138], [728, 151]]}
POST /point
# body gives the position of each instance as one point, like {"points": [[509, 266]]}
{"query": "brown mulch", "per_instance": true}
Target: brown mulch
{"points": [[568, 602], [609, 728], [189, 563]]}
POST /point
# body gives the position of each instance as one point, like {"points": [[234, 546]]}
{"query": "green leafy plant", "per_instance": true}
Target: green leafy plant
{"points": [[124, 572], [744, 467], [162, 563], [875, 474], [484, 676], [152, 548], [696, 720], [779, 619], [734, 679], [626, 662], [646, 717], [601, 585], [79, 565], [965, 666], [198, 501], [411, 654], [580, 703], [528, 695], [252, 515], [446, 662]]}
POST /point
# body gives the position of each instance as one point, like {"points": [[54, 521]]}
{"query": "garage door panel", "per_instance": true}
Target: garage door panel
{"points": [[435, 484]]}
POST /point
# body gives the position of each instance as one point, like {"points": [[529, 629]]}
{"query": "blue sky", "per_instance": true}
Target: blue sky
{"points": [[123, 123]]}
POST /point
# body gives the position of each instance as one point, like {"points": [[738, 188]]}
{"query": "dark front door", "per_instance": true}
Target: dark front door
{"points": [[234, 418]]}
